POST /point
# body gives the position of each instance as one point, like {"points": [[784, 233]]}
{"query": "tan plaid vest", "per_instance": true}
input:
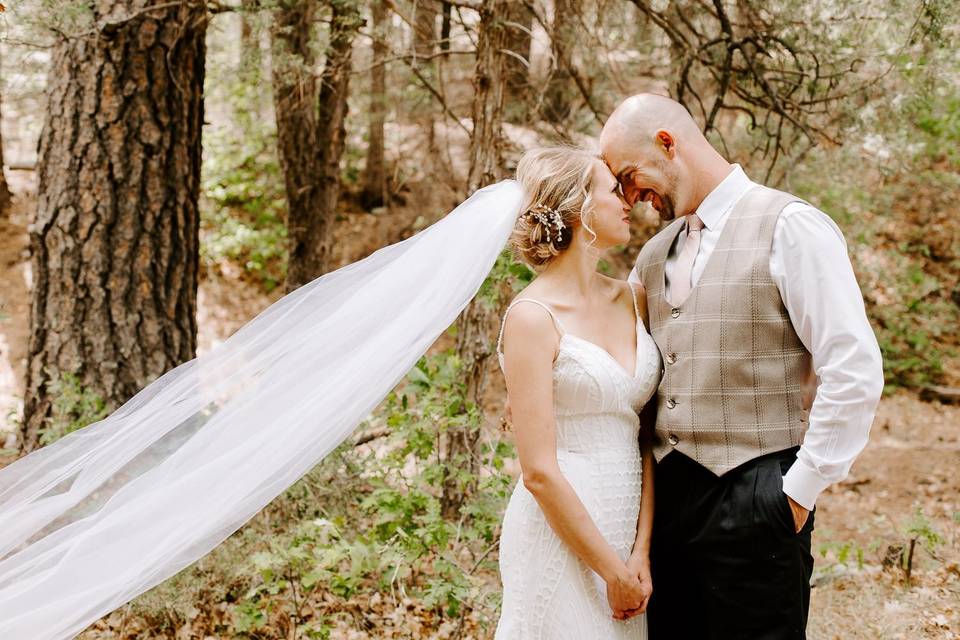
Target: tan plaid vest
{"points": [[733, 366]]}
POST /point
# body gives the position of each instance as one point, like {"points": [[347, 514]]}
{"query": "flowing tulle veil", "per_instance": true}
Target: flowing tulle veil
{"points": [[105, 513]]}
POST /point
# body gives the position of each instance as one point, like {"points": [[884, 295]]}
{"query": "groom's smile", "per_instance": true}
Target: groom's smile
{"points": [[663, 204]]}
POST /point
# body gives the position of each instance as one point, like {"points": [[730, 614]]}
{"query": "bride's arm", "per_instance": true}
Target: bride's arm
{"points": [[530, 345], [639, 561]]}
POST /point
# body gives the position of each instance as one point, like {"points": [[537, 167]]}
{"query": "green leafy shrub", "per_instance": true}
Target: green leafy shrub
{"points": [[243, 209], [73, 408]]}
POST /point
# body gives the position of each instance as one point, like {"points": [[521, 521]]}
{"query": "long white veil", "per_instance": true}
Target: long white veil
{"points": [[109, 511]]}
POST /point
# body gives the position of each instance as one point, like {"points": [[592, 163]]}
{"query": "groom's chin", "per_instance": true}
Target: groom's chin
{"points": [[667, 213]]}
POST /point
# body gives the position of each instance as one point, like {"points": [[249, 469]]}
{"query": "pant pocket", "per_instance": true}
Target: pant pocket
{"points": [[771, 501]]}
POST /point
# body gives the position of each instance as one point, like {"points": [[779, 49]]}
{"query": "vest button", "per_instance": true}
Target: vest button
{"points": [[671, 357], [673, 440], [671, 403], [675, 313]]}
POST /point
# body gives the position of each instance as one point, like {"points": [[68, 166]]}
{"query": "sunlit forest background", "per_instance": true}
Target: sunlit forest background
{"points": [[171, 168]]}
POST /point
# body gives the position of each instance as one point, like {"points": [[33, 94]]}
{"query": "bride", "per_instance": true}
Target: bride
{"points": [[103, 514], [579, 366]]}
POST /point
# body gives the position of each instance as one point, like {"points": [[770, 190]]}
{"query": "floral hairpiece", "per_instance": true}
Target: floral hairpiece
{"points": [[547, 217]]}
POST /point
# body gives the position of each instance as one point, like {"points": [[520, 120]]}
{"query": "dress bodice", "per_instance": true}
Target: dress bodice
{"points": [[595, 400]]}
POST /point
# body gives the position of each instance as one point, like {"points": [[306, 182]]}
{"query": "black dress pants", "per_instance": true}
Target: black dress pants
{"points": [[725, 558]]}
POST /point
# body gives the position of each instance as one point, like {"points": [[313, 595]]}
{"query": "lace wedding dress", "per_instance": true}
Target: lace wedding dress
{"points": [[548, 592]]}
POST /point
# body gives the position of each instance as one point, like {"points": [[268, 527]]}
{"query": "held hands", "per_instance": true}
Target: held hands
{"points": [[628, 594]]}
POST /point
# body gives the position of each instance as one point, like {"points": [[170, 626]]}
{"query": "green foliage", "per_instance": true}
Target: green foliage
{"points": [[507, 272], [911, 334], [242, 219], [73, 408], [920, 528], [15, 424], [842, 553], [392, 535], [243, 203], [898, 213]]}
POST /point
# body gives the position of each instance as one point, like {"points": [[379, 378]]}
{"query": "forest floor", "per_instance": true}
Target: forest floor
{"points": [[909, 467]]}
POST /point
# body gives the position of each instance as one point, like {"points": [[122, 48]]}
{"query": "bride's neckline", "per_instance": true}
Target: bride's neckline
{"points": [[564, 334], [623, 369]]}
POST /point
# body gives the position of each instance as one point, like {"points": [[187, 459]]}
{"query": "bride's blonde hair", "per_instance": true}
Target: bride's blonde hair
{"points": [[556, 182]]}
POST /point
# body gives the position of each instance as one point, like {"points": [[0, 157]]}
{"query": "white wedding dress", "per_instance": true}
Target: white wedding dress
{"points": [[548, 592]]}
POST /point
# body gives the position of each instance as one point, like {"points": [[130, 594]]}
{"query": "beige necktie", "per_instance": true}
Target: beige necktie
{"points": [[681, 281]]}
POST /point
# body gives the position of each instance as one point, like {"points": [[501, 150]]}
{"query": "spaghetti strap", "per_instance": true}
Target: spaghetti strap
{"points": [[633, 295], [503, 323]]}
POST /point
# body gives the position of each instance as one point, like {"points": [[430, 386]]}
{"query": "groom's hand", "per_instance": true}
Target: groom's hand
{"points": [[625, 595], [800, 514], [640, 567]]}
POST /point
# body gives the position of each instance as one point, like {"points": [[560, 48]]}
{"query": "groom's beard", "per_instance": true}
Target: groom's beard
{"points": [[667, 210]]}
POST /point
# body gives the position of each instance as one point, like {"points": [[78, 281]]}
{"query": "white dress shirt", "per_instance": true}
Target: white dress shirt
{"points": [[811, 268]]}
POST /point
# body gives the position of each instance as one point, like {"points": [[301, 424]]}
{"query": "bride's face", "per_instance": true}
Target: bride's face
{"points": [[610, 217]]}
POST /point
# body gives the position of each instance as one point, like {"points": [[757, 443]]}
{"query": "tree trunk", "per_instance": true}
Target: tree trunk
{"points": [[424, 27], [445, 26], [478, 321], [517, 71], [310, 129], [424, 42], [115, 243], [375, 173], [559, 96], [5, 195], [486, 141]]}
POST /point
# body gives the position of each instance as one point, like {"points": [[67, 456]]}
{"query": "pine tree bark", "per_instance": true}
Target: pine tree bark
{"points": [[375, 173], [115, 243], [478, 321], [310, 129]]}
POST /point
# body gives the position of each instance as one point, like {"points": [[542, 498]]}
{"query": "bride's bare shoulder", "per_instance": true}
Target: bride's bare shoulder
{"points": [[529, 333], [538, 290], [531, 319]]}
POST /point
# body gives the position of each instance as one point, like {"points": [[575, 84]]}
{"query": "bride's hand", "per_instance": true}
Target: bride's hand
{"points": [[640, 567], [625, 595]]}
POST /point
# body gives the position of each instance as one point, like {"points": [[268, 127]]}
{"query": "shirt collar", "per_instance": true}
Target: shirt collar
{"points": [[720, 201]]}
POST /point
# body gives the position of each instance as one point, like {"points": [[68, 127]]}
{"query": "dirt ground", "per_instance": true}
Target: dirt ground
{"points": [[910, 463]]}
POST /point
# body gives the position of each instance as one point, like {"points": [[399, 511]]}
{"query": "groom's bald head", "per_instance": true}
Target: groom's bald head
{"points": [[652, 145], [637, 119]]}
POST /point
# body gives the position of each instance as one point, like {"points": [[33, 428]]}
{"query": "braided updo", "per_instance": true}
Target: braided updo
{"points": [[556, 183]]}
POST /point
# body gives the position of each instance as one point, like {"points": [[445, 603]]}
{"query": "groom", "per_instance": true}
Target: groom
{"points": [[771, 378]]}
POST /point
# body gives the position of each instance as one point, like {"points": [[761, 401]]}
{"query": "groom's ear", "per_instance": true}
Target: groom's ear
{"points": [[666, 141]]}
